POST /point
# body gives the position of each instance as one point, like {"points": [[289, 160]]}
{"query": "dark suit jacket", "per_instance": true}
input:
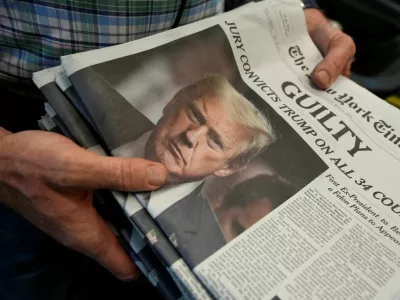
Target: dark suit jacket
{"points": [[193, 225]]}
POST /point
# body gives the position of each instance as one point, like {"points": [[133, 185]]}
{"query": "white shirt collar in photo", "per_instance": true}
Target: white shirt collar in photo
{"points": [[161, 199]]}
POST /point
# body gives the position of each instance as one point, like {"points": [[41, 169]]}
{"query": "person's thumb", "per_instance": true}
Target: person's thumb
{"points": [[339, 54], [124, 174]]}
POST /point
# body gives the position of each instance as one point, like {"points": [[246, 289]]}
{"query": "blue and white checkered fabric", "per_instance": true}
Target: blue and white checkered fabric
{"points": [[35, 33]]}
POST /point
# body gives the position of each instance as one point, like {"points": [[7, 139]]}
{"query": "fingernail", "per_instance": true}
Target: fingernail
{"points": [[134, 277], [155, 175], [128, 279], [323, 77]]}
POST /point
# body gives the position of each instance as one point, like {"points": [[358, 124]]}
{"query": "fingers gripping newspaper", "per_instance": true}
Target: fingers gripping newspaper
{"points": [[277, 190], [71, 124]]}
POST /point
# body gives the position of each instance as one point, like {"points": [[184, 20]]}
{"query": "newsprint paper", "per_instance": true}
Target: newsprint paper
{"points": [[276, 190]]}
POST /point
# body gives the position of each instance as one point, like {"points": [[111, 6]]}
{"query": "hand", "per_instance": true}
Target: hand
{"points": [[337, 47], [50, 181]]}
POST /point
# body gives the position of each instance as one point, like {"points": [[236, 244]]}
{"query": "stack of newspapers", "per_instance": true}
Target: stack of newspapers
{"points": [[276, 189]]}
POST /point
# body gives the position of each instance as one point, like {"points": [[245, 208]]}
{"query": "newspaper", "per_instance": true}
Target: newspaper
{"points": [[277, 190]]}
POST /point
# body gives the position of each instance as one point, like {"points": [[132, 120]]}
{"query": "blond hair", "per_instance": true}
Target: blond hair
{"points": [[242, 111]]}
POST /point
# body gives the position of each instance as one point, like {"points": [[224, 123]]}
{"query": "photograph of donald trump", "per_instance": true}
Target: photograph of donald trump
{"points": [[208, 128]]}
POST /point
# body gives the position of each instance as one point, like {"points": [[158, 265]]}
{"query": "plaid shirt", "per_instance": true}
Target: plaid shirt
{"points": [[35, 33]]}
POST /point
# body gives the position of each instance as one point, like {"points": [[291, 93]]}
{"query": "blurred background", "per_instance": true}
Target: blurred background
{"points": [[375, 27]]}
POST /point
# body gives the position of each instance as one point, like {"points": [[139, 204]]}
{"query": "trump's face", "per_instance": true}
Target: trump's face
{"points": [[197, 138]]}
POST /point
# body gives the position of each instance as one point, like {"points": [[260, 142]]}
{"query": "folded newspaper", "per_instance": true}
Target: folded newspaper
{"points": [[276, 190]]}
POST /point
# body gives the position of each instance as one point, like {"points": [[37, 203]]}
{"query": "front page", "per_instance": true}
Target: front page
{"points": [[338, 237], [277, 190]]}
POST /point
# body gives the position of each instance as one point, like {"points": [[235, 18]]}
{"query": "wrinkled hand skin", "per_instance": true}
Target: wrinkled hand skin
{"points": [[337, 48], [49, 180]]}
